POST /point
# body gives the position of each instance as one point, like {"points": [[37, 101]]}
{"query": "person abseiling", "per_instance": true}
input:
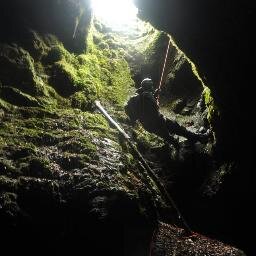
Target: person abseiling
{"points": [[143, 107]]}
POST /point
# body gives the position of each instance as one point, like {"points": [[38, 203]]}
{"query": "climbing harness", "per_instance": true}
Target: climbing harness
{"points": [[163, 71], [146, 167]]}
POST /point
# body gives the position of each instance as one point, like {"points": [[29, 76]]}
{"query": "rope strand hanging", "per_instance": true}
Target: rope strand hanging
{"points": [[163, 70]]}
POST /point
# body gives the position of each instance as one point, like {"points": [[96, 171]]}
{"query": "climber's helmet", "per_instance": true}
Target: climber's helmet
{"points": [[147, 85]]}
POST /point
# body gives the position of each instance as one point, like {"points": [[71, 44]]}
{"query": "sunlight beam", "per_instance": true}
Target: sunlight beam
{"points": [[116, 14]]}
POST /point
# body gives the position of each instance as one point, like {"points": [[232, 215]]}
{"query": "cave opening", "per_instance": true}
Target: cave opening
{"points": [[119, 15]]}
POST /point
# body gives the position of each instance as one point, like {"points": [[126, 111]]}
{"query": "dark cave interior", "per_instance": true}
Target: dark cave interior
{"points": [[217, 37]]}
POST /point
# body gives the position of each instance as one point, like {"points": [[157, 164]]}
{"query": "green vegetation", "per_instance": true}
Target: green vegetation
{"points": [[50, 132], [213, 111], [46, 107], [146, 139]]}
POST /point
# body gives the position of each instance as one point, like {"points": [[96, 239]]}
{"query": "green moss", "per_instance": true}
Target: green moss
{"points": [[36, 167], [102, 72], [151, 50], [38, 145], [80, 100], [7, 183], [121, 83], [96, 122], [65, 68], [5, 105], [55, 54], [146, 139], [60, 134], [35, 45], [213, 111], [17, 97], [6, 167], [61, 140], [16, 60], [79, 146], [110, 71]]}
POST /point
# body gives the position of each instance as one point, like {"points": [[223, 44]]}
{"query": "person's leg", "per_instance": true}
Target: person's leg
{"points": [[157, 125], [175, 128], [163, 132]]}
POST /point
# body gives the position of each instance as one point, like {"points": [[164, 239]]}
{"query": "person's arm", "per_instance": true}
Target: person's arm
{"points": [[130, 110], [139, 90], [153, 101], [156, 96], [156, 93]]}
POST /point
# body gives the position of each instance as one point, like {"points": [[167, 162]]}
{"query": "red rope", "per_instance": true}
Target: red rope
{"points": [[162, 75]]}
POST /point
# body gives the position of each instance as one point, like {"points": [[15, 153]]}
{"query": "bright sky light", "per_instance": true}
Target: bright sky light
{"points": [[115, 13]]}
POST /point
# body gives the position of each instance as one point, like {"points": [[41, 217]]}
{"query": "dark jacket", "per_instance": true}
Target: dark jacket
{"points": [[143, 107]]}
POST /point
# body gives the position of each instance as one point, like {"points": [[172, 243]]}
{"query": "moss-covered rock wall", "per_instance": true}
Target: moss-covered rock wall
{"points": [[217, 36], [64, 171]]}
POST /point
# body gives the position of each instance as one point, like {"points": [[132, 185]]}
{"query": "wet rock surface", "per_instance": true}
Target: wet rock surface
{"points": [[170, 240]]}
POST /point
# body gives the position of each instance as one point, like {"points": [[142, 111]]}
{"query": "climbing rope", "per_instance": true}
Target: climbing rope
{"points": [[163, 71], [148, 171]]}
